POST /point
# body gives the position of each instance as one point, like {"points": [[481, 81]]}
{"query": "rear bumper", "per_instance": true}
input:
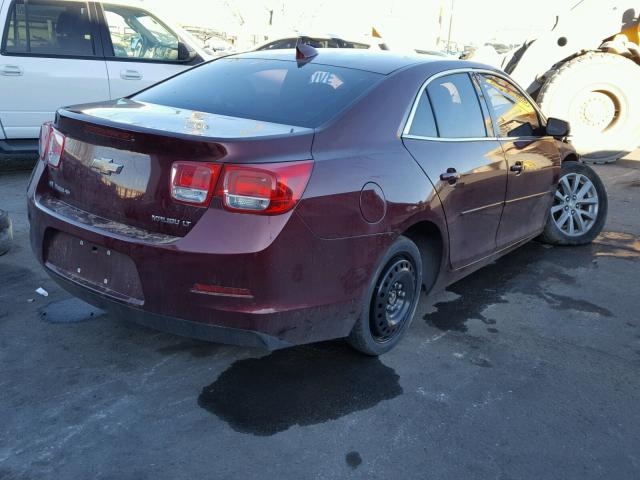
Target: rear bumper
{"points": [[304, 289], [176, 326]]}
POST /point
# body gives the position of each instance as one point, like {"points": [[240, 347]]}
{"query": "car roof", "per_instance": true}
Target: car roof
{"points": [[376, 61]]}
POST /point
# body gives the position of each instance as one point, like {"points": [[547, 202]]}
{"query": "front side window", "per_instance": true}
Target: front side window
{"points": [[137, 34], [515, 115], [49, 28], [276, 91], [456, 107]]}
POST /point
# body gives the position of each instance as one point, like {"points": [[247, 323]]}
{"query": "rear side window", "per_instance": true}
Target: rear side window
{"points": [[49, 28], [276, 91], [345, 44], [456, 107], [423, 123], [280, 44], [515, 115], [314, 42]]}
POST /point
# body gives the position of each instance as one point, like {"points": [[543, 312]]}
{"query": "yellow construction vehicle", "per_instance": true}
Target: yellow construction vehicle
{"points": [[586, 70]]}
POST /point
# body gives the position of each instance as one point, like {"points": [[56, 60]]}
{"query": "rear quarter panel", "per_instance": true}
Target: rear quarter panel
{"points": [[364, 145]]}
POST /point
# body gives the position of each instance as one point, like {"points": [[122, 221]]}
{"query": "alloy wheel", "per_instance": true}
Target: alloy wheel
{"points": [[575, 206]]}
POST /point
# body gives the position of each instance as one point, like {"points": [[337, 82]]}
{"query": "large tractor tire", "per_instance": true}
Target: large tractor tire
{"points": [[598, 94]]}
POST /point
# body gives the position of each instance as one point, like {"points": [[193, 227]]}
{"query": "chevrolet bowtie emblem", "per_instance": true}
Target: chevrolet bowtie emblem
{"points": [[105, 166]]}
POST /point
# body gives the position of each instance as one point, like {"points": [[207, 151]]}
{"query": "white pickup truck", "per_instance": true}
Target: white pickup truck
{"points": [[63, 52]]}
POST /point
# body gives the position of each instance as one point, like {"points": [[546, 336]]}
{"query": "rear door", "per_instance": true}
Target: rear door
{"points": [[140, 50], [50, 57], [533, 160], [450, 134]]}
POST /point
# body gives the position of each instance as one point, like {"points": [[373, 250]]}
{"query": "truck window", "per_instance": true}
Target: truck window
{"points": [[137, 34], [49, 28]]}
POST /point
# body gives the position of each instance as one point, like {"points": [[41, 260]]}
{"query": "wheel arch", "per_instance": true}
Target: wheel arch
{"points": [[571, 157], [429, 239]]}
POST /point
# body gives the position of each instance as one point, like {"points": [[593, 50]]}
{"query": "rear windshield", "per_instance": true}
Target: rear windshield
{"points": [[276, 91]]}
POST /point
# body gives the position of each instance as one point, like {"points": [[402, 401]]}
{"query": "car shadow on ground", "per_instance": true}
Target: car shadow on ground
{"points": [[489, 285], [312, 384], [303, 385]]}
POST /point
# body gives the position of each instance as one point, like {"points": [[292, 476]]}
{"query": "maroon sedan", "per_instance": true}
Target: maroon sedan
{"points": [[285, 197]]}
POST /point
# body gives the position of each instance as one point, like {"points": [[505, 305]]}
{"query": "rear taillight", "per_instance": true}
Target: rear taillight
{"points": [[54, 148], [267, 189], [194, 182], [45, 133]]}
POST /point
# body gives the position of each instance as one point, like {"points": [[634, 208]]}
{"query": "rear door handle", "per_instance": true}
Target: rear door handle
{"points": [[130, 75], [10, 70], [517, 167], [450, 176]]}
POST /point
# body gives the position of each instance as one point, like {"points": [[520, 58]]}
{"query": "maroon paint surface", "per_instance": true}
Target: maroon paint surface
{"points": [[307, 270]]}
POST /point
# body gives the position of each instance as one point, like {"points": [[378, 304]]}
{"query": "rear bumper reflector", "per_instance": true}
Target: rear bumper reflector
{"points": [[221, 291]]}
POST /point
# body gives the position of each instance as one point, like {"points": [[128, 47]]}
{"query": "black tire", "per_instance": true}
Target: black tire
{"points": [[553, 234], [598, 94], [6, 232], [382, 323]]}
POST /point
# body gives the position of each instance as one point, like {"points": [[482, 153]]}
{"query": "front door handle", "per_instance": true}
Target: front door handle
{"points": [[10, 70], [130, 75], [450, 176], [517, 167]]}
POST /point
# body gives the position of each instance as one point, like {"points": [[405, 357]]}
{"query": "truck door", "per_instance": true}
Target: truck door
{"points": [[140, 49], [49, 58]]}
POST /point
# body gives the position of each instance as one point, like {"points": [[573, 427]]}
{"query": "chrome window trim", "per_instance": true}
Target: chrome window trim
{"points": [[425, 84], [449, 139]]}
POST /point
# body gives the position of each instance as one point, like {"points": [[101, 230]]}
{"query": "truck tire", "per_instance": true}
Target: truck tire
{"points": [[598, 94], [579, 207], [6, 232]]}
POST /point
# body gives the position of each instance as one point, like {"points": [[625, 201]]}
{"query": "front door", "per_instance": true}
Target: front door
{"points": [[140, 50], [533, 160], [450, 135], [49, 59]]}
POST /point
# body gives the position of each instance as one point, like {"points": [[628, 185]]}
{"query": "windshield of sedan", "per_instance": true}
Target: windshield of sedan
{"points": [[275, 91]]}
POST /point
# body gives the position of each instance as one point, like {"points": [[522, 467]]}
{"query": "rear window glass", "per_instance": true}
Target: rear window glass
{"points": [[269, 90]]}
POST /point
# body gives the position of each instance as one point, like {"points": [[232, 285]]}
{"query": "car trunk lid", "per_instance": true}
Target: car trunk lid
{"points": [[117, 158]]}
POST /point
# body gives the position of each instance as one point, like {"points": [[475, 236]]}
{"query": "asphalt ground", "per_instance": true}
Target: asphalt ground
{"points": [[527, 369]]}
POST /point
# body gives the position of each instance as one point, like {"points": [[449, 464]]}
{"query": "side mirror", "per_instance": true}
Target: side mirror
{"points": [[557, 127], [185, 53]]}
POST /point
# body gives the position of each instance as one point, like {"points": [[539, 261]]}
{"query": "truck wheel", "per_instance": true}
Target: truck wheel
{"points": [[6, 232], [390, 300], [579, 207], [598, 94]]}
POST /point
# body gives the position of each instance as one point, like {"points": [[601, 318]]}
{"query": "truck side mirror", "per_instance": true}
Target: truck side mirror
{"points": [[557, 127], [185, 54]]}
